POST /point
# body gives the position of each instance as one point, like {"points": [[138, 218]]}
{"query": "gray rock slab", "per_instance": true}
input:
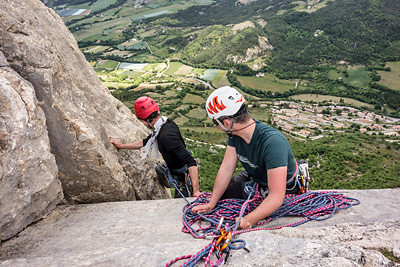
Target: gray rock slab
{"points": [[148, 233]]}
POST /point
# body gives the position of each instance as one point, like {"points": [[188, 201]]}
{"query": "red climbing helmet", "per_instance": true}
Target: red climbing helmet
{"points": [[144, 106]]}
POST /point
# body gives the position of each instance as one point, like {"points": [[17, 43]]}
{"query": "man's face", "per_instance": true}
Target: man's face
{"points": [[147, 123]]}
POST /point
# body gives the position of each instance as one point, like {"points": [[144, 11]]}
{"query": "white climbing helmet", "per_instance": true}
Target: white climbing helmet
{"points": [[224, 101]]}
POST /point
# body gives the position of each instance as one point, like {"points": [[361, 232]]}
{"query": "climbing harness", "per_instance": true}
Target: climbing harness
{"points": [[177, 178], [178, 185], [316, 206]]}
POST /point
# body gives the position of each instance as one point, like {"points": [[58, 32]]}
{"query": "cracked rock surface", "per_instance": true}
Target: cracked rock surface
{"points": [[148, 233]]}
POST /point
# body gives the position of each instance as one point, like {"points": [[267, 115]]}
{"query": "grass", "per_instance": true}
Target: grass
{"points": [[197, 113], [391, 78], [101, 4], [81, 6], [302, 6], [181, 120], [389, 254], [267, 83], [198, 71], [107, 64], [357, 77], [147, 33], [137, 45], [219, 76], [320, 98], [211, 129], [193, 99], [210, 74], [173, 67], [222, 81], [132, 74], [261, 114], [184, 70]]}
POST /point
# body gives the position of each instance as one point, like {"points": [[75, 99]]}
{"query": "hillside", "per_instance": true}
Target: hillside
{"points": [[331, 59], [339, 48]]}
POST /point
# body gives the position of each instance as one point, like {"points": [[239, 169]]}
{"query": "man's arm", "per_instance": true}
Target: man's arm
{"points": [[136, 145], [194, 176], [275, 198], [222, 180]]}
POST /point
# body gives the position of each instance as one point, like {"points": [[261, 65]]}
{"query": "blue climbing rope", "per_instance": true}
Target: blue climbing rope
{"points": [[316, 206]]}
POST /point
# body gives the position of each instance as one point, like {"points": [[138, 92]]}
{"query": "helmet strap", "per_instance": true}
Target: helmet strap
{"points": [[229, 132]]}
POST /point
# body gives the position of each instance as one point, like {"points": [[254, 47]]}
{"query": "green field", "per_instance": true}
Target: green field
{"points": [[95, 30], [261, 114], [132, 74], [391, 78], [197, 113], [210, 74], [101, 4], [357, 76], [221, 79], [267, 83], [194, 99], [321, 98], [173, 67], [107, 64]]}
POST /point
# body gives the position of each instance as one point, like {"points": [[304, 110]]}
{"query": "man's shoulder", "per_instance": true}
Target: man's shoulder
{"points": [[265, 128], [169, 129], [170, 124], [268, 132]]}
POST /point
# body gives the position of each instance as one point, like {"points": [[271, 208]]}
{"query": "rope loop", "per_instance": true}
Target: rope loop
{"points": [[317, 206]]}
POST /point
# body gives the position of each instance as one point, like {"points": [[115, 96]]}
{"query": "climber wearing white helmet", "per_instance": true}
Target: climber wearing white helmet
{"points": [[263, 151]]}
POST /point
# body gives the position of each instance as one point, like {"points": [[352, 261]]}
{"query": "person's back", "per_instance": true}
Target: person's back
{"points": [[172, 146], [166, 139], [268, 149]]}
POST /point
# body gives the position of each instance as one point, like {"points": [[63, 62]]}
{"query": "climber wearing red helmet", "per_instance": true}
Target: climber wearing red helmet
{"points": [[166, 138], [144, 106], [263, 151]]}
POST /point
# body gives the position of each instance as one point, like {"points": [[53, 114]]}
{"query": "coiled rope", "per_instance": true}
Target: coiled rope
{"points": [[316, 206]]}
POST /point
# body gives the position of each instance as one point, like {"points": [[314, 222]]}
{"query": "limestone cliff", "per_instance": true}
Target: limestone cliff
{"points": [[47, 83], [28, 184]]}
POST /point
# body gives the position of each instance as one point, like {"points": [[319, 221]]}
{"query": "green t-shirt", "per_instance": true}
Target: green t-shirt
{"points": [[268, 149]]}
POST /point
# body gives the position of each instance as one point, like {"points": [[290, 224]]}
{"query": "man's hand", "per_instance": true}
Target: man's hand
{"points": [[196, 194], [244, 223], [202, 208], [115, 142]]}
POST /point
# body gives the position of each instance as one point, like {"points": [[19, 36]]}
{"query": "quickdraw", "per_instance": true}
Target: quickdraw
{"points": [[304, 177], [224, 240]]}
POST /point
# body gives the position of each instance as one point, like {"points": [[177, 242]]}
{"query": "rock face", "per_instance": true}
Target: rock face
{"points": [[29, 187], [41, 63]]}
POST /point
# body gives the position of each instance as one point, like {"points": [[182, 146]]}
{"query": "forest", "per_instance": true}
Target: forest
{"points": [[357, 31]]}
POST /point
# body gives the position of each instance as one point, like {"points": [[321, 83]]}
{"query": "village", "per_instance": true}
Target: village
{"points": [[312, 120]]}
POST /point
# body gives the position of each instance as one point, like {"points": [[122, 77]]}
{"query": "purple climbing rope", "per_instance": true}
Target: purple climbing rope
{"points": [[316, 206]]}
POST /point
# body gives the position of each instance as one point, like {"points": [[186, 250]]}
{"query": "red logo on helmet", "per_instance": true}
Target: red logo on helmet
{"points": [[214, 106], [240, 99]]}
